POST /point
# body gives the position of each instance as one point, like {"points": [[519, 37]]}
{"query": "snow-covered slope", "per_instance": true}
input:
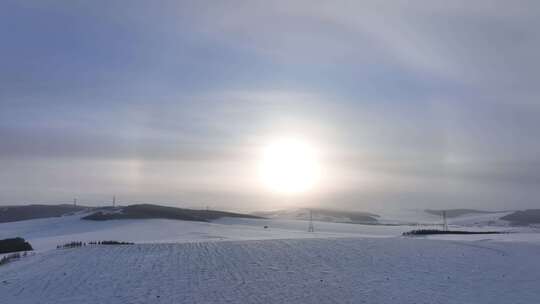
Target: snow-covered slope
{"points": [[45, 234], [390, 217], [486, 219], [369, 270], [421, 217]]}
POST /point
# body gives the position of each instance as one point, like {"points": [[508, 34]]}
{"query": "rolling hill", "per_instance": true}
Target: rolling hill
{"points": [[450, 213], [28, 212], [323, 215], [525, 217], [149, 211]]}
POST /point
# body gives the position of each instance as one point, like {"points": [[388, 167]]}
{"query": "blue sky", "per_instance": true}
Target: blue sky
{"points": [[414, 104]]}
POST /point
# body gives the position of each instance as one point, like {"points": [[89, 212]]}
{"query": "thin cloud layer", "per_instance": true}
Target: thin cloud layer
{"points": [[430, 103]]}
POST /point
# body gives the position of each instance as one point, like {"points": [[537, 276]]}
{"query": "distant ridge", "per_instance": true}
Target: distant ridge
{"points": [[29, 212], [139, 211], [324, 215], [149, 211], [526, 217], [458, 212]]}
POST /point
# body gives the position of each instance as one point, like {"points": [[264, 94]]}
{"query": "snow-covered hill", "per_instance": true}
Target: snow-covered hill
{"points": [[324, 215], [45, 234], [421, 217], [392, 217]]}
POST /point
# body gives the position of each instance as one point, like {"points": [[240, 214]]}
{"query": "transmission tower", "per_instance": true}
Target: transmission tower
{"points": [[445, 223], [310, 227]]}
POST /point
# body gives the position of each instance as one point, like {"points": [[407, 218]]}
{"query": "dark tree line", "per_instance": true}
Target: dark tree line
{"points": [[14, 245], [12, 256], [111, 243], [435, 231], [71, 245], [76, 244]]}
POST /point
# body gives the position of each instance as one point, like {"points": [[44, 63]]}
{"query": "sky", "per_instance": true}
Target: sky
{"points": [[410, 104]]}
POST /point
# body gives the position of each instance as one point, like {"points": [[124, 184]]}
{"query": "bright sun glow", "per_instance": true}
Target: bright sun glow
{"points": [[289, 166]]}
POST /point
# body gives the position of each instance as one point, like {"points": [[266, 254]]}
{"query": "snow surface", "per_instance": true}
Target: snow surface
{"points": [[234, 260], [357, 270], [45, 234]]}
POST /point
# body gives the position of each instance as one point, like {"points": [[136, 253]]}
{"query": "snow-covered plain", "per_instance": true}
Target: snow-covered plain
{"points": [[358, 270], [239, 261]]}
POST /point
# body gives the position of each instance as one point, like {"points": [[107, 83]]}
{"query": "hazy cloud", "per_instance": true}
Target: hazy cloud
{"points": [[413, 103]]}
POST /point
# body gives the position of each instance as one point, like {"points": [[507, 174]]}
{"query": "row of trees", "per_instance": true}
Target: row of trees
{"points": [[14, 245], [111, 243], [82, 244], [436, 231], [71, 245], [12, 256]]}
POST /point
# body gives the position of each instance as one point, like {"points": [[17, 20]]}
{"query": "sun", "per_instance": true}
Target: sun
{"points": [[289, 166]]}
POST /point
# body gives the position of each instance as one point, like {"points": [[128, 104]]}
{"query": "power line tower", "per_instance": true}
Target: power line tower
{"points": [[310, 227], [445, 222]]}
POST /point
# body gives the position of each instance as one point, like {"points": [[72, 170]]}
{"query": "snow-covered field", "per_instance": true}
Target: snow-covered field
{"points": [[239, 261], [45, 234], [358, 270]]}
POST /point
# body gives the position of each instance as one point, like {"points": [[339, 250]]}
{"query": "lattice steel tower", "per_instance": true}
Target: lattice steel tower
{"points": [[445, 222], [310, 227]]}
